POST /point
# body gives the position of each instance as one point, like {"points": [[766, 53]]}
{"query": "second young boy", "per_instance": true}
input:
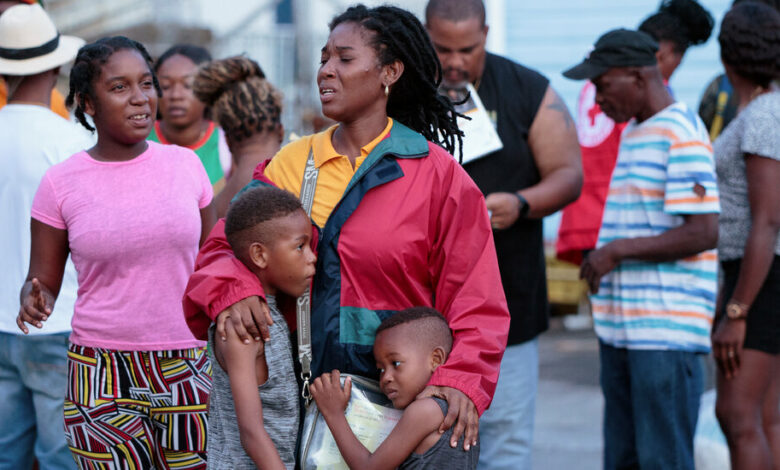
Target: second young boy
{"points": [[408, 347]]}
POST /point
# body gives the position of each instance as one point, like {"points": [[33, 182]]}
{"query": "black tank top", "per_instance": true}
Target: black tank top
{"points": [[512, 94]]}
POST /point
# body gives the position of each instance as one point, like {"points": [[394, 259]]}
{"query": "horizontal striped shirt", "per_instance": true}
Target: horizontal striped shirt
{"points": [[665, 170]]}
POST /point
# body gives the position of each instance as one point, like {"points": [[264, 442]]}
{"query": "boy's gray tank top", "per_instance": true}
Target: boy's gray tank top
{"points": [[441, 455], [279, 396]]}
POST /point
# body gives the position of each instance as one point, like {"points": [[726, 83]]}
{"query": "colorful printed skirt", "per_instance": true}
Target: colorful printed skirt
{"points": [[137, 409]]}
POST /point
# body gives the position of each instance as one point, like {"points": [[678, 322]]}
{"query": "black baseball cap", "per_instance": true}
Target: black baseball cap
{"points": [[616, 48]]}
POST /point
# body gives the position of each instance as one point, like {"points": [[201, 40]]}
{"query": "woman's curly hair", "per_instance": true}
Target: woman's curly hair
{"points": [[241, 100], [750, 41]]}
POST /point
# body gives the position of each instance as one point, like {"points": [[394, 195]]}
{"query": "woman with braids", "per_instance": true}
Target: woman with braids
{"points": [[400, 223], [746, 337], [131, 214], [677, 25], [249, 109], [184, 118]]}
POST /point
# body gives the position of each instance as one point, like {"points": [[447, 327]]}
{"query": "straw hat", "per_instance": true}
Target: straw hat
{"points": [[30, 43]]}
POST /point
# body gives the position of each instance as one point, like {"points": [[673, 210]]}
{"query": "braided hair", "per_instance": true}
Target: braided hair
{"points": [[241, 100], [750, 41], [414, 99], [683, 22], [88, 64]]}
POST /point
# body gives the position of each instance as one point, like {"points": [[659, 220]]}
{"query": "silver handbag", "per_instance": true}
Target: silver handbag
{"points": [[370, 415]]}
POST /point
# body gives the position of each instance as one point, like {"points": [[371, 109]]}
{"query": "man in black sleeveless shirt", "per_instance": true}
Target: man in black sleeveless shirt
{"points": [[537, 172]]}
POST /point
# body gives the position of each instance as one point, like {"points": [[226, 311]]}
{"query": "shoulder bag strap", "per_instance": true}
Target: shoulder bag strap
{"points": [[303, 304]]}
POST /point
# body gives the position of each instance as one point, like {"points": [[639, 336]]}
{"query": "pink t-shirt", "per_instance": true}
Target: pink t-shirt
{"points": [[133, 229]]}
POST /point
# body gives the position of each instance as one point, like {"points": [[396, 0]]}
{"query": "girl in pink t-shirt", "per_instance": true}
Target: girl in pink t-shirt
{"points": [[132, 214]]}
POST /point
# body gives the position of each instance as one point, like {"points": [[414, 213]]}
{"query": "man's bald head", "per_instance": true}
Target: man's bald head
{"points": [[455, 10]]}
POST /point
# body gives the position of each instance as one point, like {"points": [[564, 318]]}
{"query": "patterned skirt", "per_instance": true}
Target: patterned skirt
{"points": [[137, 409]]}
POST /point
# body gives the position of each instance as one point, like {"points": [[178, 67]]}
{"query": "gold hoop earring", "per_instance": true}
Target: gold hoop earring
{"points": [[387, 90]]}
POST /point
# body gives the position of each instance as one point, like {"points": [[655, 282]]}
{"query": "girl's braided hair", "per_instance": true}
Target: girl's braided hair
{"points": [[86, 69], [414, 99]]}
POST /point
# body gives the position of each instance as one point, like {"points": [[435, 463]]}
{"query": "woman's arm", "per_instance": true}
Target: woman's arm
{"points": [[420, 418], [244, 371], [467, 287], [763, 175], [48, 254]]}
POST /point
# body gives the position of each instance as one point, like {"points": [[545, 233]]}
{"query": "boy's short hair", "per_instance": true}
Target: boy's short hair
{"points": [[431, 327], [245, 217]]}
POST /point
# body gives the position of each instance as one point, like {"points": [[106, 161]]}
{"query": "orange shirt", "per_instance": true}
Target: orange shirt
{"points": [[286, 169]]}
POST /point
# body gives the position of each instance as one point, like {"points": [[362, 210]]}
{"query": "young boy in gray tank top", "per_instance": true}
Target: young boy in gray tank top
{"points": [[409, 346], [253, 408]]}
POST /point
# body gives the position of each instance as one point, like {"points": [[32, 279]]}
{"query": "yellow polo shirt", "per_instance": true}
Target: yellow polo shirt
{"points": [[336, 171]]}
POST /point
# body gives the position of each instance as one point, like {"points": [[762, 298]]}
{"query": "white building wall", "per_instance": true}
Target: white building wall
{"points": [[552, 35]]}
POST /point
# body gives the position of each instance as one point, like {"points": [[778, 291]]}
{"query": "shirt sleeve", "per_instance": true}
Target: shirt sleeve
{"points": [[205, 189], [691, 184], [762, 132], [46, 207]]}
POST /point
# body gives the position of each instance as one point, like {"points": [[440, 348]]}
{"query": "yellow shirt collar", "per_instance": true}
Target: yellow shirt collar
{"points": [[322, 145]]}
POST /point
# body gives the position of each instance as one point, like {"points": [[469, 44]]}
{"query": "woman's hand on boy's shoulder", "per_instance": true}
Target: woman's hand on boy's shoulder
{"points": [[237, 357], [248, 318], [327, 391], [461, 412]]}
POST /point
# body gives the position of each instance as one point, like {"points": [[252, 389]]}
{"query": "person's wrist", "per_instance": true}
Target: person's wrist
{"points": [[524, 206], [616, 250], [736, 310]]}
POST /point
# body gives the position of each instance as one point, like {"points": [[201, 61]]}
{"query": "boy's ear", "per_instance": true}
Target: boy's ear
{"points": [[438, 356], [258, 253]]}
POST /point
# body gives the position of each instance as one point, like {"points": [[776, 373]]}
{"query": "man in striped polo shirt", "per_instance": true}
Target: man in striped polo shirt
{"points": [[653, 274]]}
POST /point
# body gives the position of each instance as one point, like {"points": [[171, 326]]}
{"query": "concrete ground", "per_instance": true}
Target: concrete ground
{"points": [[569, 403]]}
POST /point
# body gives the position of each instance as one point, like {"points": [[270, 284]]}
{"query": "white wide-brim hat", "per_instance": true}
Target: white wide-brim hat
{"points": [[30, 43]]}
